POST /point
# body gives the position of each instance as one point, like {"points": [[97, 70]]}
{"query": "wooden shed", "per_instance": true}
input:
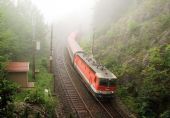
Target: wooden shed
{"points": [[18, 72]]}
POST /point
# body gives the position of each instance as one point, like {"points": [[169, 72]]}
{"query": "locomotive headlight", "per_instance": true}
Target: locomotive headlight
{"points": [[112, 91]]}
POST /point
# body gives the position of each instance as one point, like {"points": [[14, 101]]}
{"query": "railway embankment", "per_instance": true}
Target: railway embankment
{"points": [[135, 46], [74, 96]]}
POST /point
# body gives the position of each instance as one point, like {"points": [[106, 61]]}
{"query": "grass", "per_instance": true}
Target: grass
{"points": [[37, 95]]}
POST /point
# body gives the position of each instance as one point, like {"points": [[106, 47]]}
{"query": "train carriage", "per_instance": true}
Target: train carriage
{"points": [[72, 45], [100, 80]]}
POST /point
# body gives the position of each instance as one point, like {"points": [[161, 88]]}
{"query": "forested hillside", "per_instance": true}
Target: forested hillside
{"points": [[16, 24], [132, 39], [21, 26]]}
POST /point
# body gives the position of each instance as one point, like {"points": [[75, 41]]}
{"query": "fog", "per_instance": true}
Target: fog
{"points": [[60, 9], [84, 15], [69, 14]]}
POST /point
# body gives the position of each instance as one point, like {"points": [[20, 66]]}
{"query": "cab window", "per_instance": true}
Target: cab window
{"points": [[107, 82], [103, 82], [112, 82]]}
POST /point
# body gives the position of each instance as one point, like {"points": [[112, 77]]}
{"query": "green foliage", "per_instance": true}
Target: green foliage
{"points": [[38, 96], [165, 20], [44, 79], [86, 45], [16, 29], [132, 102], [35, 97], [3, 63], [156, 84], [135, 47], [44, 63], [7, 91], [166, 114], [122, 91], [133, 25]]}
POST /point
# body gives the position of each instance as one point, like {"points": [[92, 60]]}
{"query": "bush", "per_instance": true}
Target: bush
{"points": [[44, 63], [35, 97], [133, 25], [155, 93], [38, 96], [42, 99], [7, 91], [165, 114]]}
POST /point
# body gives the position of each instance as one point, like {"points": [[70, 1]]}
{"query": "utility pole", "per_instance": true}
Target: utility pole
{"points": [[92, 49], [51, 57], [33, 47], [51, 48]]}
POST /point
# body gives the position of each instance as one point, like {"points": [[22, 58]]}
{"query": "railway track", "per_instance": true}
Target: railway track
{"points": [[107, 107], [79, 103], [112, 111], [70, 93]]}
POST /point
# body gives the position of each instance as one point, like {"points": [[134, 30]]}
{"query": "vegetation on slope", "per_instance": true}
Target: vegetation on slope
{"points": [[135, 47], [16, 44]]}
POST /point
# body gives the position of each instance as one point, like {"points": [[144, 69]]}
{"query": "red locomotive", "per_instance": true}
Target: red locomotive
{"points": [[101, 81]]}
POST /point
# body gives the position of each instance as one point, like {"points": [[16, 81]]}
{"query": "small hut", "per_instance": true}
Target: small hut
{"points": [[18, 72]]}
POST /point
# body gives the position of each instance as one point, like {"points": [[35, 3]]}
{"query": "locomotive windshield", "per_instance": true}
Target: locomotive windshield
{"points": [[107, 82]]}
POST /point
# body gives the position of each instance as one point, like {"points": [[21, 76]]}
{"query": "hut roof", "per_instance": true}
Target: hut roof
{"points": [[18, 67]]}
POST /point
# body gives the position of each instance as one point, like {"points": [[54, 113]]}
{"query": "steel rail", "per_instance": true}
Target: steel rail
{"points": [[77, 97], [76, 88], [100, 103]]}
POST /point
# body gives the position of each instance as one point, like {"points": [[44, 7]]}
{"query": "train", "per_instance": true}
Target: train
{"points": [[99, 80]]}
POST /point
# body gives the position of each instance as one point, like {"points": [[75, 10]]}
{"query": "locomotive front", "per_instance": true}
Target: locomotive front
{"points": [[101, 81], [106, 86]]}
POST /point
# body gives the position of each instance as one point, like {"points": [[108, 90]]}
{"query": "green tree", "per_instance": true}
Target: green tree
{"points": [[156, 86], [16, 29], [132, 40]]}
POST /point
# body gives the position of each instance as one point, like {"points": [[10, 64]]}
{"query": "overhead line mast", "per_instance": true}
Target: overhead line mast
{"points": [[33, 46], [51, 48], [92, 49]]}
